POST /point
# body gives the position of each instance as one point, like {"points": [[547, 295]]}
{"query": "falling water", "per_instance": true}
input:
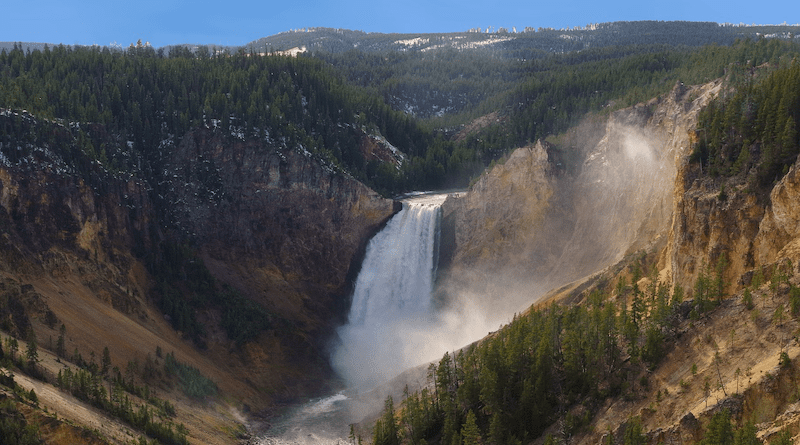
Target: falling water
{"points": [[389, 326], [392, 298]]}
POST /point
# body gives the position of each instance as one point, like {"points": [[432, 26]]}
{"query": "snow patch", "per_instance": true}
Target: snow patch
{"points": [[492, 40], [418, 41], [293, 52]]}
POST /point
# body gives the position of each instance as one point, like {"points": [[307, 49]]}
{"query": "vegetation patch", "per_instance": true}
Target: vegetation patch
{"points": [[191, 381]]}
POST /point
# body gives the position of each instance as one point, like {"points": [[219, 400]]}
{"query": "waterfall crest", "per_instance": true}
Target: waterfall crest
{"points": [[392, 297]]}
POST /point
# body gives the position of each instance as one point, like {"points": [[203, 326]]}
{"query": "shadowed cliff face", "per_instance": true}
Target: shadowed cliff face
{"points": [[277, 224]]}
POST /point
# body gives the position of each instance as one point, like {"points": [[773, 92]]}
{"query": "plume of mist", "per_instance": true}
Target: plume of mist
{"points": [[614, 204], [620, 194], [367, 355], [624, 185]]}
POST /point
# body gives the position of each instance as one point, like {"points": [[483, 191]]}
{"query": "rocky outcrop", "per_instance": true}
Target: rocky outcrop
{"points": [[273, 222], [715, 217], [57, 224], [779, 231], [494, 219], [536, 225]]}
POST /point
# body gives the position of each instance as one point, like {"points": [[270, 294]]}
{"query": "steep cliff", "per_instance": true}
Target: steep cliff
{"points": [[493, 218], [637, 201], [531, 224], [280, 226], [715, 217]]}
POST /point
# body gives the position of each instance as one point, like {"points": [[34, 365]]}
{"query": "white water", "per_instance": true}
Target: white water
{"points": [[392, 298], [390, 325], [319, 422]]}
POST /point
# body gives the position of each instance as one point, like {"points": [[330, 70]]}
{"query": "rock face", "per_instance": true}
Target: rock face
{"points": [[750, 228], [530, 225], [274, 223], [779, 231], [494, 218], [279, 225], [55, 223]]}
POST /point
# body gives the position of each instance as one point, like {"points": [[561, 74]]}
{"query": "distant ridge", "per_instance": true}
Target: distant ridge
{"points": [[528, 41], [504, 42]]}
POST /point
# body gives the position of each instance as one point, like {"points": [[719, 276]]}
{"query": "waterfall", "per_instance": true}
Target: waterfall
{"points": [[392, 298]]}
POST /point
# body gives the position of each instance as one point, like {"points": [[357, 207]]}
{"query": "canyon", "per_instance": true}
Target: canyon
{"points": [[288, 230]]}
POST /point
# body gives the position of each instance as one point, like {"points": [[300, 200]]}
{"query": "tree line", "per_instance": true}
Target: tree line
{"points": [[124, 104], [132, 105], [755, 127]]}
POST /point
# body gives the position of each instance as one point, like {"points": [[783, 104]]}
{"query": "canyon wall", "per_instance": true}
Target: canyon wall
{"points": [[752, 228], [282, 226], [279, 225], [531, 224]]}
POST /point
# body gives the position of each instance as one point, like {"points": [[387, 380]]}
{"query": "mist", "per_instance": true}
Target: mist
{"points": [[619, 195], [393, 323]]}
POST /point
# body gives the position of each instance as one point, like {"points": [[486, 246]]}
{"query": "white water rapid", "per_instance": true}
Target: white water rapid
{"points": [[392, 298]]}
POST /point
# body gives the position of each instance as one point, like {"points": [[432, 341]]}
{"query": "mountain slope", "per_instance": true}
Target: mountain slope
{"points": [[686, 321], [527, 43], [98, 257]]}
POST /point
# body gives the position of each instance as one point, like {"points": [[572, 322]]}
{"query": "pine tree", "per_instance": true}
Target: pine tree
{"points": [[496, 433], [32, 353], [470, 435], [106, 363], [633, 433], [61, 348], [746, 435], [386, 429], [719, 430]]}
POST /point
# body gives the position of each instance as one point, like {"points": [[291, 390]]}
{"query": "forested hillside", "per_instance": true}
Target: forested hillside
{"points": [[549, 374], [144, 100], [525, 43], [534, 98], [555, 363], [753, 127], [222, 189]]}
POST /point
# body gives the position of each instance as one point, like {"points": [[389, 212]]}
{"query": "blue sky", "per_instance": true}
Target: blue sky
{"points": [[237, 22]]}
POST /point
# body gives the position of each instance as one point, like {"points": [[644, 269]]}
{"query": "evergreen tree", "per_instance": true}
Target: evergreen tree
{"points": [[32, 353], [470, 435], [61, 348], [106, 361], [719, 430], [386, 431], [633, 433], [746, 435]]}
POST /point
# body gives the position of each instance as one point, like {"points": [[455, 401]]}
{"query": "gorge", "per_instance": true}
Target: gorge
{"points": [[565, 227], [213, 239]]}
